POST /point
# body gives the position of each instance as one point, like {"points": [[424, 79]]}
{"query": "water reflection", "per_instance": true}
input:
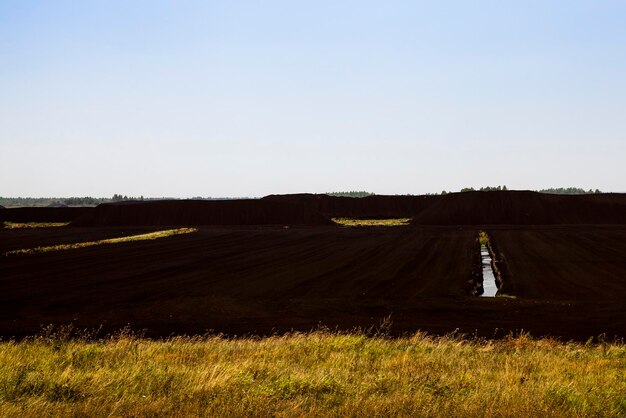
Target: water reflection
{"points": [[489, 280]]}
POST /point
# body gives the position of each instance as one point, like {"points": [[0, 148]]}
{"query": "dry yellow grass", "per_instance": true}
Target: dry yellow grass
{"points": [[371, 222], [21, 225], [314, 374], [130, 238]]}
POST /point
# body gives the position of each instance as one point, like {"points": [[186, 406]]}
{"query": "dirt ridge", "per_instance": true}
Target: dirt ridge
{"points": [[199, 212], [523, 208], [43, 214], [372, 207]]}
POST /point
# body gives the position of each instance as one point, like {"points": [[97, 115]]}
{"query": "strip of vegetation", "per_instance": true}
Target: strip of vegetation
{"points": [[20, 225], [350, 222], [15, 202], [316, 374], [131, 238]]}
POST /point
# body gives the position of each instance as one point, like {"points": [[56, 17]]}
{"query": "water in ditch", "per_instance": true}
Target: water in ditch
{"points": [[489, 279]]}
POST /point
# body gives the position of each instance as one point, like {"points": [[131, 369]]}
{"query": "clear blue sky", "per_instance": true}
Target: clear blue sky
{"points": [[236, 98]]}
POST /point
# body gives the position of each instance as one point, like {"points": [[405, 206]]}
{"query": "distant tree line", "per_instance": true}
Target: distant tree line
{"points": [[120, 198], [52, 201], [569, 190], [471, 189], [553, 190], [63, 201], [94, 201], [485, 189], [89, 201], [502, 188], [350, 194]]}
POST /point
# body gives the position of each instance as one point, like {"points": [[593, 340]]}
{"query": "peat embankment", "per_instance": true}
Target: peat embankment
{"points": [[372, 207], [200, 212], [43, 214], [474, 285], [523, 208], [500, 269]]}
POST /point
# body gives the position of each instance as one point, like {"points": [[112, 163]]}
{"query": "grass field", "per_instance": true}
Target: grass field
{"points": [[371, 222], [318, 373]]}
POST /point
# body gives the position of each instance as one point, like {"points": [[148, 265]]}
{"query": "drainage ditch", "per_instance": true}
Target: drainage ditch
{"points": [[490, 287], [488, 277]]}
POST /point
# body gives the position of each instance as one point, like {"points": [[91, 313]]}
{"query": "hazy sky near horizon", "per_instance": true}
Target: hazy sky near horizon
{"points": [[247, 98]]}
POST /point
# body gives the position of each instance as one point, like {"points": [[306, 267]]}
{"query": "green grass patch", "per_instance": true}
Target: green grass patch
{"points": [[483, 238], [20, 225], [313, 374], [350, 222], [130, 238]]}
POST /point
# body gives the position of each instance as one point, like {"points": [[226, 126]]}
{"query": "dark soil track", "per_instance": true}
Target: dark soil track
{"points": [[263, 280], [216, 278], [581, 263]]}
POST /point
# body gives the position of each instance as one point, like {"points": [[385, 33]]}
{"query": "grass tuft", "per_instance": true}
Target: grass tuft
{"points": [[350, 222], [483, 238]]}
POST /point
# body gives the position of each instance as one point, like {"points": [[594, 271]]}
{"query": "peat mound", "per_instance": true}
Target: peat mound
{"points": [[523, 208], [198, 212], [43, 214], [376, 206]]}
